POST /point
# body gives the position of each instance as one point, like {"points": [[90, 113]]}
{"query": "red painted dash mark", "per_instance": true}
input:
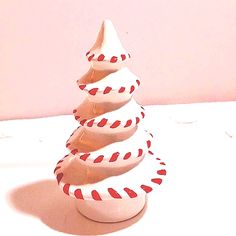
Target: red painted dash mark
{"points": [[113, 59], [138, 82], [161, 172], [148, 143], [162, 163], [150, 152], [82, 86], [146, 188], [90, 57], [66, 189], [59, 177], [137, 120], [121, 90], [83, 121], [107, 90], [78, 194], [101, 57], [128, 123], [84, 156], [140, 152], [74, 111], [114, 157], [115, 124], [130, 192], [96, 195], [68, 144], [157, 181], [123, 57], [113, 193], [74, 151], [90, 123], [87, 53], [142, 114], [102, 122], [127, 155], [93, 91], [98, 159], [132, 88], [129, 55]]}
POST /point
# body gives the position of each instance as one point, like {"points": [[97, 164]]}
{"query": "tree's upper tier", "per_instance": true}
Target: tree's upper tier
{"points": [[107, 51]]}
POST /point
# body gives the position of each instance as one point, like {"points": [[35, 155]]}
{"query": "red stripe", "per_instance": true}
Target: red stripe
{"points": [[107, 90], [113, 193], [115, 124], [130, 192], [157, 181], [84, 156], [66, 189], [142, 114], [158, 159], [57, 168], [142, 107], [82, 86], [129, 55], [137, 120], [132, 88], [113, 59], [162, 163], [83, 121], [146, 188], [74, 151], [128, 123], [96, 195], [123, 57], [161, 172], [140, 152], [59, 177], [77, 117], [87, 53], [102, 122], [78, 194], [93, 91], [121, 90], [101, 57], [148, 143], [90, 57], [98, 159], [138, 82], [114, 157], [150, 152], [90, 123], [127, 155], [74, 111], [68, 144]]}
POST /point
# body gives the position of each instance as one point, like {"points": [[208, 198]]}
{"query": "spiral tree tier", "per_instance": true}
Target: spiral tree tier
{"points": [[110, 167]]}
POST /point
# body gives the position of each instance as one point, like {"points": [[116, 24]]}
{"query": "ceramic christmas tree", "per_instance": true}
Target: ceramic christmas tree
{"points": [[110, 168]]}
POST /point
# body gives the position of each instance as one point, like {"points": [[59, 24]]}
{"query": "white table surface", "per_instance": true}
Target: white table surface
{"points": [[197, 142]]}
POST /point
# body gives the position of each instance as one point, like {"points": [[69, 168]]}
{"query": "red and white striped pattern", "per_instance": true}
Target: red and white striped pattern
{"points": [[111, 192], [93, 91], [112, 124], [94, 157], [103, 58]]}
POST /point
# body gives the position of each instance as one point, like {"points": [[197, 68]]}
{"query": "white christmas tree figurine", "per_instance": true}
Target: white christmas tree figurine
{"points": [[110, 168]]}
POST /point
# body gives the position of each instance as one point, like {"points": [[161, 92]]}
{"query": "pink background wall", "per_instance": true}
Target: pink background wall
{"points": [[184, 51]]}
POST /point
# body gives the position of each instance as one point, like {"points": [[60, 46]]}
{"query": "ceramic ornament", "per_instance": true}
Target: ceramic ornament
{"points": [[110, 168]]}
